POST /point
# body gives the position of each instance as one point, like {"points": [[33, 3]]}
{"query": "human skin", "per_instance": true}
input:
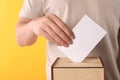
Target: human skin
{"points": [[50, 26]]}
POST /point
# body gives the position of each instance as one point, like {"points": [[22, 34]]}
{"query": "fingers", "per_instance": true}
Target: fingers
{"points": [[54, 35], [61, 29], [60, 33], [51, 39], [63, 26]]}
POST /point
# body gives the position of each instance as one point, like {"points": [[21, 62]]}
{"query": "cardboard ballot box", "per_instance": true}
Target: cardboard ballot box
{"points": [[89, 69]]}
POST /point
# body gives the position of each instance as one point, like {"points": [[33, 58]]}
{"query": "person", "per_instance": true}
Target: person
{"points": [[55, 19]]}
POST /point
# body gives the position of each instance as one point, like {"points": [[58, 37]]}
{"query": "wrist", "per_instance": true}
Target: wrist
{"points": [[31, 26]]}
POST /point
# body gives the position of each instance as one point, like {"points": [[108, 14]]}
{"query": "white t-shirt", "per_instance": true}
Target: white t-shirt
{"points": [[105, 12]]}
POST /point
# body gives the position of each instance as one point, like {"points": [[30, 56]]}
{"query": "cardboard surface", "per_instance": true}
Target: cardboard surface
{"points": [[89, 69]]}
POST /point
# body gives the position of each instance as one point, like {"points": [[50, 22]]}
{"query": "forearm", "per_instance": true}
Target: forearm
{"points": [[24, 34]]}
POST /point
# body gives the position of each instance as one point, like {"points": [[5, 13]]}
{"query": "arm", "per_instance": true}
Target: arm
{"points": [[50, 27], [24, 34]]}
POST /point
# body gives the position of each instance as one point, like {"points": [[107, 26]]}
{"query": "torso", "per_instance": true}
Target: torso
{"points": [[104, 13]]}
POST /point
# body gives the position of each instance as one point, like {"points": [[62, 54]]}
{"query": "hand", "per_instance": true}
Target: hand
{"points": [[53, 29]]}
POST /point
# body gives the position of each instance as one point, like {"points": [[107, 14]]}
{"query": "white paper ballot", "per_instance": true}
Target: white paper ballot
{"points": [[87, 35]]}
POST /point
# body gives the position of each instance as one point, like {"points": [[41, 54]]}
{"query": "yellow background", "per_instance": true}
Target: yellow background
{"points": [[18, 63]]}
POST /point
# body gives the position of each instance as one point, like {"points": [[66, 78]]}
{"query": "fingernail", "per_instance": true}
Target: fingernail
{"points": [[72, 37], [66, 45], [61, 44], [71, 42]]}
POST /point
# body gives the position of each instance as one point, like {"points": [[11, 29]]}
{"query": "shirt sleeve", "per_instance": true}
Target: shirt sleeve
{"points": [[32, 9]]}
